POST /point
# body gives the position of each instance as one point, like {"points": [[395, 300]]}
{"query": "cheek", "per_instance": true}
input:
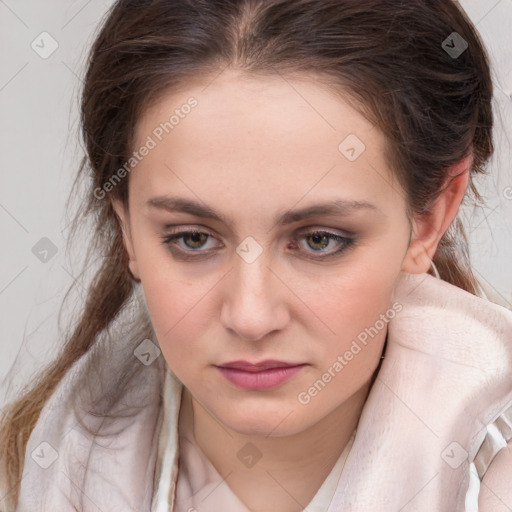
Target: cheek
{"points": [[353, 298], [357, 312], [171, 298], [179, 313]]}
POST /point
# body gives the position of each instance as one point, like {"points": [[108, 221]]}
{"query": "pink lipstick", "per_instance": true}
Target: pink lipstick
{"points": [[258, 376]]}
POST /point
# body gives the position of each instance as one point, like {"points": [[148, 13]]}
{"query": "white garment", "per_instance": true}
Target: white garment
{"points": [[445, 380]]}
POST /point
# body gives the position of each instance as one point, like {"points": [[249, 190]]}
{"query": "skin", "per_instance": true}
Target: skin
{"points": [[251, 149], [496, 483]]}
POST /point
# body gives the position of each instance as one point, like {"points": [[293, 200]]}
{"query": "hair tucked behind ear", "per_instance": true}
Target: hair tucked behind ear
{"points": [[433, 108]]}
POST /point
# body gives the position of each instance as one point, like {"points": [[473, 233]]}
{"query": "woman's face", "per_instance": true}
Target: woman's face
{"points": [[269, 172]]}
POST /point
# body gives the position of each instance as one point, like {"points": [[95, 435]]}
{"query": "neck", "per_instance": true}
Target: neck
{"points": [[291, 468]]}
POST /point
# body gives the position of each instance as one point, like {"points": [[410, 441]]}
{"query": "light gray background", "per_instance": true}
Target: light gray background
{"points": [[40, 153]]}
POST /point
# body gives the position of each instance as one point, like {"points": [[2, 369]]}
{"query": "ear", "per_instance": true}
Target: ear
{"points": [[430, 226], [123, 216]]}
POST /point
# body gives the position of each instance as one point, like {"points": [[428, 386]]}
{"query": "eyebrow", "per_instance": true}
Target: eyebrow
{"points": [[339, 207]]}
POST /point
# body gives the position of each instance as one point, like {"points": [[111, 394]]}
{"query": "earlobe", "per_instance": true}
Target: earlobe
{"points": [[123, 218], [422, 247], [430, 226]]}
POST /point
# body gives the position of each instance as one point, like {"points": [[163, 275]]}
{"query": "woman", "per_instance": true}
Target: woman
{"points": [[272, 184]]}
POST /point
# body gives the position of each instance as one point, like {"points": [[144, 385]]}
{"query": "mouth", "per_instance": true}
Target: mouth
{"points": [[259, 376], [260, 366]]}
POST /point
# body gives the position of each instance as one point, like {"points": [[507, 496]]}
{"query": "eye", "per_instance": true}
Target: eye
{"points": [[195, 241], [320, 240]]}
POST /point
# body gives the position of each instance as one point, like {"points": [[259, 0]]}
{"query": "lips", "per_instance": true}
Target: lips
{"points": [[257, 367], [260, 376]]}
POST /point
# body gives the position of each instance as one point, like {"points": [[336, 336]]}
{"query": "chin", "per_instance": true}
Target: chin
{"points": [[278, 421]]}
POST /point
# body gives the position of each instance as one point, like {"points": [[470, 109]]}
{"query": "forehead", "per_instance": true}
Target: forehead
{"points": [[295, 107], [267, 135]]}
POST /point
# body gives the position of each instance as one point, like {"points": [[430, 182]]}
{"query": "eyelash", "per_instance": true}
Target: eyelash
{"points": [[347, 243]]}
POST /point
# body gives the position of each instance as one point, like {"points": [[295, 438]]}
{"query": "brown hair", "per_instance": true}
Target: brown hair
{"points": [[390, 56]]}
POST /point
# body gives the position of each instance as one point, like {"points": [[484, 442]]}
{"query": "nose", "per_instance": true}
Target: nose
{"points": [[254, 302]]}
